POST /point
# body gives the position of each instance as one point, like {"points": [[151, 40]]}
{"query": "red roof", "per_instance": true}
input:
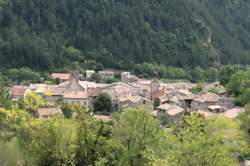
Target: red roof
{"points": [[18, 90], [158, 94], [61, 76]]}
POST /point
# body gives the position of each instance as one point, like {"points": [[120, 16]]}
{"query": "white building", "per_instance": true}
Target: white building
{"points": [[107, 73], [89, 73]]}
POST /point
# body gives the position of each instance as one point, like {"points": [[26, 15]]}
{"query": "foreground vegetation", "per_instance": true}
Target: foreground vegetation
{"points": [[132, 138]]}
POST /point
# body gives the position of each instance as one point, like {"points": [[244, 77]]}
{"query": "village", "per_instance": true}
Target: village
{"points": [[166, 101]]}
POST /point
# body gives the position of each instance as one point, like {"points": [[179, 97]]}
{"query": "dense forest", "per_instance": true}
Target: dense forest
{"points": [[52, 34]]}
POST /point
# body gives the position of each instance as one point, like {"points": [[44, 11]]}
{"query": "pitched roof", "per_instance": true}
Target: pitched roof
{"points": [[18, 90], [171, 109], [184, 91], [38, 88], [48, 111], [207, 97], [56, 90], [133, 99], [61, 76], [158, 93], [93, 92]]}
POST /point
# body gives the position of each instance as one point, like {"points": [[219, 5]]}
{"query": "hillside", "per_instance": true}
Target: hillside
{"points": [[50, 34]]}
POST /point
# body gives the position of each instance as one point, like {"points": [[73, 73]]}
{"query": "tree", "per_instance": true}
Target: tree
{"points": [[245, 126], [205, 142], [197, 74], [69, 109], [103, 104], [54, 142], [141, 136], [96, 77], [238, 86], [211, 74], [245, 120], [24, 75], [10, 153], [5, 100], [33, 101], [226, 73], [94, 146]]}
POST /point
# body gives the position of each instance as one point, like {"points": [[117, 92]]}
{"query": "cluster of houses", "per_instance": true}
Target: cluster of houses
{"points": [[174, 99], [174, 102]]}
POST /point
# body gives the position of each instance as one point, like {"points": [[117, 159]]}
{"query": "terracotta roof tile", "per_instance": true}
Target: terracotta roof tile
{"points": [[61, 76], [158, 94], [18, 90]]}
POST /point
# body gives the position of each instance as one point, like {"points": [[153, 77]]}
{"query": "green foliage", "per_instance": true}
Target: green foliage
{"points": [[197, 74], [96, 78], [109, 80], [70, 109], [226, 73], [245, 120], [5, 100], [133, 138], [238, 86], [198, 89], [94, 146], [205, 142], [147, 70], [24, 75], [54, 143], [141, 136], [214, 90], [33, 101], [103, 104], [10, 154], [172, 33], [212, 74]]}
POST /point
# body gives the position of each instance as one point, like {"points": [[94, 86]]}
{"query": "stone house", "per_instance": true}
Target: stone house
{"points": [[18, 92], [80, 97], [121, 90], [169, 113], [203, 101], [133, 101]]}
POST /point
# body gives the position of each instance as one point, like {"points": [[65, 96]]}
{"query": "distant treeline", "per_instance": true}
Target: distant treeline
{"points": [[222, 74], [52, 34]]}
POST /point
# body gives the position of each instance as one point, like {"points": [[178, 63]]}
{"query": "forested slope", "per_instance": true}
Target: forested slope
{"points": [[44, 34]]}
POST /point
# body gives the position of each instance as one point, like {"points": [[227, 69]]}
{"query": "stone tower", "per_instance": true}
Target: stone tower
{"points": [[155, 86], [74, 82]]}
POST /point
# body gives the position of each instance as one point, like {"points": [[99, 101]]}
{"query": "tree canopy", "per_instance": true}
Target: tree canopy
{"points": [[51, 34]]}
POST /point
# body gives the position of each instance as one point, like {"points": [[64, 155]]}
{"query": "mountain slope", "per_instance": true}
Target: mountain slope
{"points": [[46, 34]]}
